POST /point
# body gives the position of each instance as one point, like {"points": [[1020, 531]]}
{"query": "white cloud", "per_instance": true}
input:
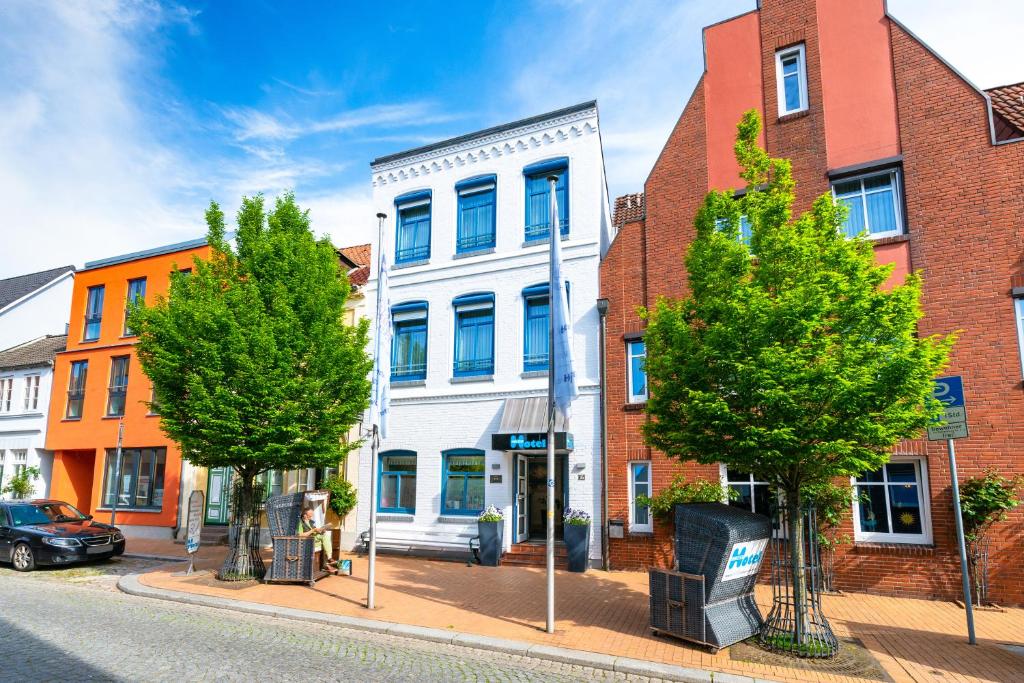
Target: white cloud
{"points": [[345, 215]]}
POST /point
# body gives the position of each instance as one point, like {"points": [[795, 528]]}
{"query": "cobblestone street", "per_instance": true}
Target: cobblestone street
{"points": [[73, 624]]}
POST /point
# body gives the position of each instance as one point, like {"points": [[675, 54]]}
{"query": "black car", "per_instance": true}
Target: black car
{"points": [[35, 532]]}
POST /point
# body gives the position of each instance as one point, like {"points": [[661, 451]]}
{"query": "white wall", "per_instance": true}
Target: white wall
{"points": [[442, 413], [45, 311], [26, 429]]}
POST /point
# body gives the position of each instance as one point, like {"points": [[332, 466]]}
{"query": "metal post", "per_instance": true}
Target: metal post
{"points": [[968, 603], [371, 574], [550, 551], [117, 472]]}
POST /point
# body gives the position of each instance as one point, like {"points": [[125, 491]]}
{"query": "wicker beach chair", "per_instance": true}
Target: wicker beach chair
{"points": [[294, 560]]}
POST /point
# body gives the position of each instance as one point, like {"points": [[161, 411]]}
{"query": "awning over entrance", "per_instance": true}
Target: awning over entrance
{"points": [[524, 427]]}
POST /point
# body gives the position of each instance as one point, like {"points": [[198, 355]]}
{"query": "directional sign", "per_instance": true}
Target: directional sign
{"points": [[950, 392]]}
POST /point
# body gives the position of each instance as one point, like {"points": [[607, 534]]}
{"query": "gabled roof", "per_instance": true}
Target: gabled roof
{"points": [[357, 257], [358, 254], [1008, 104], [38, 352], [629, 207], [14, 288]]}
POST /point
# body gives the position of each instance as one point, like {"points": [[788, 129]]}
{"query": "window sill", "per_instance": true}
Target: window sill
{"points": [[71, 419], [634, 407], [889, 239], [410, 264], [112, 417], [793, 116], [395, 517], [154, 511], [471, 378], [398, 384], [641, 534], [458, 519], [89, 341], [529, 374], [541, 241], [473, 252], [889, 548], [129, 336]]}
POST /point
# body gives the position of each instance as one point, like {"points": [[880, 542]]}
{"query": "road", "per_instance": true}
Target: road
{"points": [[73, 624]]}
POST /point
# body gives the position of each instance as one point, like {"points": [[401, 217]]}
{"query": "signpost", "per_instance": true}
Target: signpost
{"points": [[950, 391], [196, 513]]}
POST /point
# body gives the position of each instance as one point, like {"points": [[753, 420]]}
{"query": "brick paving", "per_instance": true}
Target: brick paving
{"points": [[914, 640]]}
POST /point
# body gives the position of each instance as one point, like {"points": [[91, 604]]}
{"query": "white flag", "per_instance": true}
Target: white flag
{"points": [[380, 397], [565, 389]]}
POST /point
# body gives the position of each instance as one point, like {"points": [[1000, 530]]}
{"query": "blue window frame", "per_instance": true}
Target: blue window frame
{"points": [[413, 240], [474, 335], [535, 343], [462, 482], [397, 482], [136, 294], [538, 198], [409, 341], [477, 211], [637, 354], [93, 313]]}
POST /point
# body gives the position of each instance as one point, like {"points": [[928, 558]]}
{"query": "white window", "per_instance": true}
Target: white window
{"points": [[636, 352], [874, 204], [639, 485], [32, 392], [791, 79], [304, 479], [752, 493], [891, 505], [19, 456], [1018, 307], [6, 391]]}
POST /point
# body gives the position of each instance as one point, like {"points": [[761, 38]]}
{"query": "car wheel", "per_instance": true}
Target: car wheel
{"points": [[23, 559]]}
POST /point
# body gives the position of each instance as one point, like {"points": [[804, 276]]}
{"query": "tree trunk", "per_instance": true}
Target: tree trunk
{"points": [[795, 523], [243, 561]]}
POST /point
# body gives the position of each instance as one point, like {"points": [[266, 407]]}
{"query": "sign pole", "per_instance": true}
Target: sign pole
{"points": [[371, 574], [968, 603], [117, 472]]}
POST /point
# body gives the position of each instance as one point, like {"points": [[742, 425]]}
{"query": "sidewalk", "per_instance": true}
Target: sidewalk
{"points": [[914, 640]]}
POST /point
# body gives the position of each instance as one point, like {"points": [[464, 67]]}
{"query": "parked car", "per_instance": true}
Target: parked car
{"points": [[38, 532]]}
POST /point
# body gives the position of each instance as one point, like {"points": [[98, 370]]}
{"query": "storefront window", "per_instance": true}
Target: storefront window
{"points": [[142, 478]]}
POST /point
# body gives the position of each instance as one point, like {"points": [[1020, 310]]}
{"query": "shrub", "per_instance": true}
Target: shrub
{"points": [[681, 491], [343, 494], [20, 485]]}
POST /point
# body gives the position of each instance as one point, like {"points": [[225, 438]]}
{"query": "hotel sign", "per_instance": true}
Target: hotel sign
{"points": [[530, 441]]}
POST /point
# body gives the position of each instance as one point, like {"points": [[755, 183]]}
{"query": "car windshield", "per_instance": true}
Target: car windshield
{"points": [[44, 513]]}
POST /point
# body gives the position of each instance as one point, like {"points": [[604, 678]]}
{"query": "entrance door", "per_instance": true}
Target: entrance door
{"points": [[218, 495], [538, 492], [522, 531]]}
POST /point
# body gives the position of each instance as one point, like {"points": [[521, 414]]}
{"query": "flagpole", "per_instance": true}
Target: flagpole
{"points": [[371, 573], [553, 234]]}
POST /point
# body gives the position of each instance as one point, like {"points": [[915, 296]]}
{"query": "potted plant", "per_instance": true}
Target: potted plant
{"points": [[342, 501], [576, 529], [491, 525]]}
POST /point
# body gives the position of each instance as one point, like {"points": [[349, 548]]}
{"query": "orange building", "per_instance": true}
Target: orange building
{"points": [[99, 385]]}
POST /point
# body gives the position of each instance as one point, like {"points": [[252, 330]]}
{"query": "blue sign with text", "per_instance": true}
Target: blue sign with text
{"points": [[950, 390]]}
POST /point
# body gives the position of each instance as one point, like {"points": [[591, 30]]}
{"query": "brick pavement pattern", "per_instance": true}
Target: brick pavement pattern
{"points": [[57, 631]]}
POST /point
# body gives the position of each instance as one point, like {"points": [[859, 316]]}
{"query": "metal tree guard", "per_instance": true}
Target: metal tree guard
{"points": [[797, 626], [243, 561]]}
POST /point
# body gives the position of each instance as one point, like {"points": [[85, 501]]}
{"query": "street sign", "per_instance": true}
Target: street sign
{"points": [[950, 392]]}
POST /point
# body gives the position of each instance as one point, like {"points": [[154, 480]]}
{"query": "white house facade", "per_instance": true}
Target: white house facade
{"points": [[35, 305], [26, 379], [466, 240]]}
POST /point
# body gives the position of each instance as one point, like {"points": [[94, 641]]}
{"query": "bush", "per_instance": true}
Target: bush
{"points": [[20, 485], [343, 494], [985, 501], [681, 491]]}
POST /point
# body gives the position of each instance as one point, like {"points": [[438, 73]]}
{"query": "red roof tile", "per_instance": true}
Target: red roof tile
{"points": [[358, 254], [629, 207], [1008, 105]]}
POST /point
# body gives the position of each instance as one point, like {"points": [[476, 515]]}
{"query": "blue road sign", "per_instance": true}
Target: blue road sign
{"points": [[950, 390]]}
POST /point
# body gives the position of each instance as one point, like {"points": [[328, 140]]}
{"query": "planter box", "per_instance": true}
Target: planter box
{"points": [[577, 541], [490, 542]]}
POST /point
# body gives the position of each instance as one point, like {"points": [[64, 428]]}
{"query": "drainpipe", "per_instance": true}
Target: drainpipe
{"points": [[602, 310]]}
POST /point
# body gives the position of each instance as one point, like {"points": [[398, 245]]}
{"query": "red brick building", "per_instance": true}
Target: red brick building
{"points": [[933, 168]]}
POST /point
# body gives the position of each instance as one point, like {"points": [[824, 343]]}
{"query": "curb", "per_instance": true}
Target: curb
{"points": [[151, 556], [131, 585]]}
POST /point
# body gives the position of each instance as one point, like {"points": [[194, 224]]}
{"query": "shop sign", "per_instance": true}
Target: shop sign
{"points": [[195, 521], [530, 441]]}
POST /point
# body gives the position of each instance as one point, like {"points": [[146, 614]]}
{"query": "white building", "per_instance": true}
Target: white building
{"points": [[466, 237], [35, 305], [26, 377]]}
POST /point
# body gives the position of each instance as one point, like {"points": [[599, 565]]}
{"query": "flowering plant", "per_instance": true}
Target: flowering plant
{"points": [[491, 514], [576, 517]]}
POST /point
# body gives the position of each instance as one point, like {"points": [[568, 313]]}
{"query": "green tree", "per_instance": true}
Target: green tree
{"points": [[797, 364], [251, 363], [20, 485]]}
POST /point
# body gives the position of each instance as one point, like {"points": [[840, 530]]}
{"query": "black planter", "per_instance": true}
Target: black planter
{"points": [[490, 542], [577, 541]]}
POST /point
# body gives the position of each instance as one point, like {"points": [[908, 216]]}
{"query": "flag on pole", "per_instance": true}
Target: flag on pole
{"points": [[565, 389], [380, 398]]}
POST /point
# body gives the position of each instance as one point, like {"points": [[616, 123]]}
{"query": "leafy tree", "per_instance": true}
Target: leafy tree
{"points": [[796, 364], [20, 485], [251, 363]]}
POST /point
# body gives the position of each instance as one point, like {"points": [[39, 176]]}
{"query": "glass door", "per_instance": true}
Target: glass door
{"points": [[522, 531]]}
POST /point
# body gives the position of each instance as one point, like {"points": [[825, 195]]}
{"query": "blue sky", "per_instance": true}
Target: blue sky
{"points": [[120, 120]]}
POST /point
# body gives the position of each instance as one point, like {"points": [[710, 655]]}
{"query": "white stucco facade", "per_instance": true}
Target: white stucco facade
{"points": [[445, 411], [23, 425]]}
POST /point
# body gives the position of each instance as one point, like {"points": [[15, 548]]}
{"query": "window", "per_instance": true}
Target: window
{"points": [[474, 335], [409, 342], [890, 504], [536, 333], [413, 242], [874, 204], [744, 233], [636, 352], [136, 295], [791, 80], [118, 389], [154, 408], [304, 479], [639, 485], [142, 478], [752, 493], [76, 389], [6, 392], [476, 213], [397, 485], [31, 392], [538, 198], [93, 313], [463, 482]]}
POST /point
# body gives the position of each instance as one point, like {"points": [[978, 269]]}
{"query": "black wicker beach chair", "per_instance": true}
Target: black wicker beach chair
{"points": [[294, 560]]}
